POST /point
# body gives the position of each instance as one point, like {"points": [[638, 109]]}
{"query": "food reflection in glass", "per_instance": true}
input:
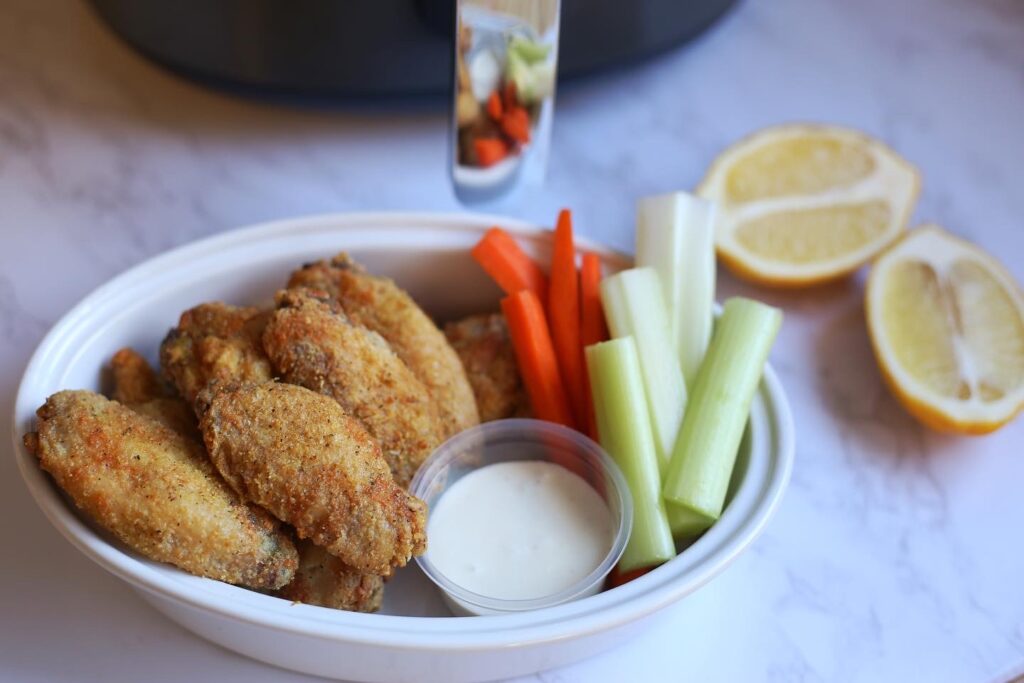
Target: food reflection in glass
{"points": [[505, 60]]}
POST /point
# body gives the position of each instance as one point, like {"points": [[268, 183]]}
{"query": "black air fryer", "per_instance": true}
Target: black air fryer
{"points": [[375, 48]]}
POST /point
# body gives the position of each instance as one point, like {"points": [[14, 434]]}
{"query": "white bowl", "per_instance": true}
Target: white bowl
{"points": [[410, 640]]}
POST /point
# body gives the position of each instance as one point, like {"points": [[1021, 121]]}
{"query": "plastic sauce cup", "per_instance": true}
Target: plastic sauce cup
{"points": [[517, 440]]}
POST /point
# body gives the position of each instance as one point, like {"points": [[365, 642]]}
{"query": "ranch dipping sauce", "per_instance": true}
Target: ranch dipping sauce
{"points": [[519, 530]]}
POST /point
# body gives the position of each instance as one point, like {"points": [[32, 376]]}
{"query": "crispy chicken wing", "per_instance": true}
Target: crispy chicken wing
{"points": [[139, 387], [378, 304], [324, 580], [312, 343], [485, 349], [155, 490], [215, 341], [297, 453], [134, 380]]}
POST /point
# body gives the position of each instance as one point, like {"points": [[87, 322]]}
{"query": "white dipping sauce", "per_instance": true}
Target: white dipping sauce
{"points": [[519, 530]]}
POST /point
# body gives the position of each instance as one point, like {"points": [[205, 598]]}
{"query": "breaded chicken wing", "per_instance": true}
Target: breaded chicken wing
{"points": [[215, 341], [324, 580], [312, 343], [138, 386], [378, 304], [297, 453], [485, 349], [155, 491], [134, 380], [171, 412]]}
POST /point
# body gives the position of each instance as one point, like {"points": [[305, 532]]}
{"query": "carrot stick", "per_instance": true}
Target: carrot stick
{"points": [[535, 356], [502, 258], [490, 151], [593, 328], [564, 315], [508, 95], [495, 109], [515, 123], [617, 578]]}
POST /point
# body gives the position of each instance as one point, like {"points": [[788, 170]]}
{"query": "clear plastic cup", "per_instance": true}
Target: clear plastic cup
{"points": [[518, 440]]}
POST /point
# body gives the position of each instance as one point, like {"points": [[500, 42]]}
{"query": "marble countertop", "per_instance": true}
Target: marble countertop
{"points": [[897, 553]]}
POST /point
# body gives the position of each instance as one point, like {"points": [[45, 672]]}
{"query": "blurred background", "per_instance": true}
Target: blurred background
{"points": [[98, 136]]}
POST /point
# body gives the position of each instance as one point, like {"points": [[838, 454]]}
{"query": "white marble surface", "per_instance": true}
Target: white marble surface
{"points": [[897, 554]]}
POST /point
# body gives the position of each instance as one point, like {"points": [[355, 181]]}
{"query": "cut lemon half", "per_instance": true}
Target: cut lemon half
{"points": [[803, 204], [947, 324]]}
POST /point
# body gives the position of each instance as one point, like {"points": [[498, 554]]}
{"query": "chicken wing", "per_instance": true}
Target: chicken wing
{"points": [[215, 341], [155, 491], [324, 580], [138, 386], [134, 380], [312, 343], [485, 349], [378, 304], [297, 453]]}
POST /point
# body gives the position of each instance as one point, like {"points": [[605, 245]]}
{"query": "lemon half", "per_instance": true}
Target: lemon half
{"points": [[803, 204], [947, 324]]}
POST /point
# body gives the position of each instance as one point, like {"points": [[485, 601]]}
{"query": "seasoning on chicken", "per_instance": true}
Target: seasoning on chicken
{"points": [[485, 349], [215, 341], [296, 453], [155, 490], [313, 343], [137, 385], [324, 580], [134, 380], [380, 305]]}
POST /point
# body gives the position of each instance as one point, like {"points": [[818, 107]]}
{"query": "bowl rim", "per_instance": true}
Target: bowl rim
{"points": [[649, 593]]}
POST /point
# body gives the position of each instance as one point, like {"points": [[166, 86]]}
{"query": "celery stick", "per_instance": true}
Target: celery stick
{"points": [[625, 432], [675, 234], [704, 455], [633, 306], [683, 522], [531, 52]]}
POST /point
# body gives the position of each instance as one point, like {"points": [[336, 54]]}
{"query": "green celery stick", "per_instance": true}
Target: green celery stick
{"points": [[530, 51], [634, 307], [625, 432], [704, 455], [675, 235], [684, 522]]}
